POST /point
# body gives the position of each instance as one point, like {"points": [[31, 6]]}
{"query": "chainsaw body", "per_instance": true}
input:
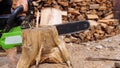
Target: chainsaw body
{"points": [[10, 29], [10, 24], [12, 38]]}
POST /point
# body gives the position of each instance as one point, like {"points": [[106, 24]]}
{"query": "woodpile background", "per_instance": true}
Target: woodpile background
{"points": [[98, 12]]}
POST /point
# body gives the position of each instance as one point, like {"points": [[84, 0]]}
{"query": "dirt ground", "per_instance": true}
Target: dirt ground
{"points": [[107, 49]]}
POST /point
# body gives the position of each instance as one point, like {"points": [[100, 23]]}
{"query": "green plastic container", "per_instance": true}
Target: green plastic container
{"points": [[12, 38]]}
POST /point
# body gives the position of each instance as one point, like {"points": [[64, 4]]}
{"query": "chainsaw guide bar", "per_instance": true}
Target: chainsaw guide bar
{"points": [[72, 27]]}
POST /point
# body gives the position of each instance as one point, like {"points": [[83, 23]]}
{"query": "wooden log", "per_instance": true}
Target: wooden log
{"points": [[92, 16], [109, 29], [71, 1], [110, 16], [64, 13], [43, 44], [49, 2], [3, 54], [35, 3], [49, 13], [94, 6], [100, 1], [110, 22], [83, 9], [93, 23], [63, 2], [103, 7], [103, 25], [73, 11]]}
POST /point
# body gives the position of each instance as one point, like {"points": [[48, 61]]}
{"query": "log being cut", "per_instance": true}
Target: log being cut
{"points": [[43, 44]]}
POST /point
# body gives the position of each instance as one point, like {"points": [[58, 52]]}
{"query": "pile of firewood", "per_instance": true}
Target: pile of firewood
{"points": [[98, 12]]}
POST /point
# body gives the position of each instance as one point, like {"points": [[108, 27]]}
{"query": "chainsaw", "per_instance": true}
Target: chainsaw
{"points": [[11, 31]]}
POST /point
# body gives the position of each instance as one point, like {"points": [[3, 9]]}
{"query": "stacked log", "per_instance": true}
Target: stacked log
{"points": [[100, 15], [59, 4], [98, 12]]}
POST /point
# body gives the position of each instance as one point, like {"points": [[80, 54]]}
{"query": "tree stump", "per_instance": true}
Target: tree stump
{"points": [[43, 45]]}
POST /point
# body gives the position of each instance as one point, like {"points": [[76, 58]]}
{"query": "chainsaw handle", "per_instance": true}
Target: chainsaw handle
{"points": [[16, 12], [12, 17]]}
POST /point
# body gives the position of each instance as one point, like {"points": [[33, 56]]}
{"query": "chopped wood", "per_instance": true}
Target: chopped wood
{"points": [[49, 1], [3, 54], [110, 16], [94, 6], [46, 15], [103, 25], [67, 40], [38, 0], [71, 1], [83, 9], [102, 14], [110, 22], [64, 13], [93, 23], [64, 3], [92, 16], [100, 1], [103, 7], [73, 11], [35, 3]]}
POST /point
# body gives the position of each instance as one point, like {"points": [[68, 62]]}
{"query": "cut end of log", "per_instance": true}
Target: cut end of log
{"points": [[50, 16]]}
